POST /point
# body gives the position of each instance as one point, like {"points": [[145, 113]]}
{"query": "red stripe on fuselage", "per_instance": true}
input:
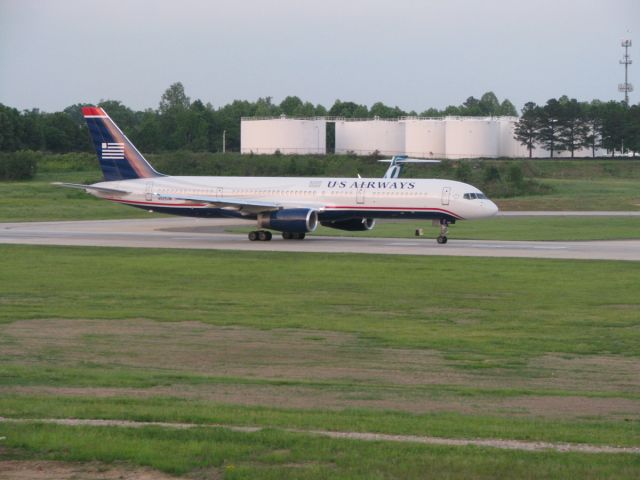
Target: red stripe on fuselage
{"points": [[136, 202]]}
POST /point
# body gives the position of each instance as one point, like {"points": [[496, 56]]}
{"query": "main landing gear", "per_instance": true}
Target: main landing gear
{"points": [[262, 235], [265, 235], [444, 229]]}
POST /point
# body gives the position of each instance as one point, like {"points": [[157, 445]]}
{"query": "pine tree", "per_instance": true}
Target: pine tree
{"points": [[526, 128]]}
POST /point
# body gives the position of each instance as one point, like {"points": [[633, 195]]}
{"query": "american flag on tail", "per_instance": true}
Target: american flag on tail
{"points": [[113, 151]]}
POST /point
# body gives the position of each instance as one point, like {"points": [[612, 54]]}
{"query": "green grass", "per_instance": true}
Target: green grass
{"points": [[38, 200], [274, 454], [603, 194], [573, 307], [490, 320]]}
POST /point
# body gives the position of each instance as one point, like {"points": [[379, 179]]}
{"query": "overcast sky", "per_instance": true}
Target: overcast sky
{"points": [[413, 54]]}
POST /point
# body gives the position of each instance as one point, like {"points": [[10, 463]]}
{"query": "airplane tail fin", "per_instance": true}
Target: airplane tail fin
{"points": [[119, 158], [398, 161]]}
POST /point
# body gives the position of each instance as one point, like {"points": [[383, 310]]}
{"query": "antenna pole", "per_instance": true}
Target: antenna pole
{"points": [[626, 87]]}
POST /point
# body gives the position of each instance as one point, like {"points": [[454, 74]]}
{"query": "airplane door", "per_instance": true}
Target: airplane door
{"points": [[360, 196], [446, 191], [219, 192], [148, 192]]}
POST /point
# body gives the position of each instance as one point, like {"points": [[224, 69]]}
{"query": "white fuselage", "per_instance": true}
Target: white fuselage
{"points": [[330, 197]]}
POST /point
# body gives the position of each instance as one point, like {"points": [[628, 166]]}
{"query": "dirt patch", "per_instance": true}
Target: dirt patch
{"points": [[282, 396], [199, 348], [340, 369], [50, 470]]}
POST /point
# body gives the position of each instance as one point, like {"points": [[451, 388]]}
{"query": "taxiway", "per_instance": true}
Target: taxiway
{"points": [[190, 233]]}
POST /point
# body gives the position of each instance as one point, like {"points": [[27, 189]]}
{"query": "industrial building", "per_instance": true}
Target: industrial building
{"points": [[448, 137]]}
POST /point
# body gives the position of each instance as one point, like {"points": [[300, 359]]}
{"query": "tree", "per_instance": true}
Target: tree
{"points": [[489, 104], [348, 110], [62, 134], [593, 122], [471, 107], [633, 121], [507, 109], [526, 128], [173, 99], [573, 128], [263, 107], [9, 129], [381, 110], [291, 106], [147, 136], [173, 108], [32, 130], [549, 126], [613, 126]]}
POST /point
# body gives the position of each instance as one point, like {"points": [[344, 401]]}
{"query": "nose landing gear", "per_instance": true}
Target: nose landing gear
{"points": [[444, 229]]}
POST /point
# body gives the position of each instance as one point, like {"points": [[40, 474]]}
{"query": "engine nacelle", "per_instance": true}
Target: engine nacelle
{"points": [[352, 225], [296, 220]]}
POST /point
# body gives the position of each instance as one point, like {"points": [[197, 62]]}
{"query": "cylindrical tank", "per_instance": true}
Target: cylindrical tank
{"points": [[286, 135], [364, 137], [424, 138], [471, 137]]}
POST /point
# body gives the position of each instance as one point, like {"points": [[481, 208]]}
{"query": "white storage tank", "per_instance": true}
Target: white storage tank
{"points": [[287, 135], [424, 137], [364, 137], [507, 145], [471, 137]]}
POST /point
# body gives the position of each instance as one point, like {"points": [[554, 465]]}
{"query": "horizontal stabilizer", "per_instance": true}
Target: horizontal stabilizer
{"points": [[89, 187]]}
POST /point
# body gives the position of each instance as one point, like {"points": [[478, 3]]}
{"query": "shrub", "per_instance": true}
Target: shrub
{"points": [[18, 165]]}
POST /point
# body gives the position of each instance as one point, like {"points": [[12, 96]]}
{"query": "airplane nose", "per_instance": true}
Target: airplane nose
{"points": [[492, 208]]}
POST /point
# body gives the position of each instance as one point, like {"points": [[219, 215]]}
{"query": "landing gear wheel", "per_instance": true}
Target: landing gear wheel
{"points": [[444, 229], [287, 235], [300, 236], [264, 235], [253, 236]]}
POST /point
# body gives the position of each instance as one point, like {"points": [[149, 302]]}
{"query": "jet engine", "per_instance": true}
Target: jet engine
{"points": [[352, 225], [295, 220]]}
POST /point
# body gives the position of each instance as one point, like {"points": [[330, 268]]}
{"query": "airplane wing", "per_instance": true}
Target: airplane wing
{"points": [[244, 205], [91, 187]]}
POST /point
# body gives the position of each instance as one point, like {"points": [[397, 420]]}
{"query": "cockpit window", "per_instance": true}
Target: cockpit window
{"points": [[474, 196]]}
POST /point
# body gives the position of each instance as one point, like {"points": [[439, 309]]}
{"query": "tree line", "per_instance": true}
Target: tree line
{"points": [[181, 124], [566, 125]]}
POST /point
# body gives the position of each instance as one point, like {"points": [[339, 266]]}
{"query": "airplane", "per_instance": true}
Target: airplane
{"points": [[293, 206]]}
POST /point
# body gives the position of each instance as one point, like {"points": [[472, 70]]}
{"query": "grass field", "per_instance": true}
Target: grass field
{"points": [[452, 347]]}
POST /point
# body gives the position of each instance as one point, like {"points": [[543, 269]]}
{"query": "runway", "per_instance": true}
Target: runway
{"points": [[209, 234]]}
